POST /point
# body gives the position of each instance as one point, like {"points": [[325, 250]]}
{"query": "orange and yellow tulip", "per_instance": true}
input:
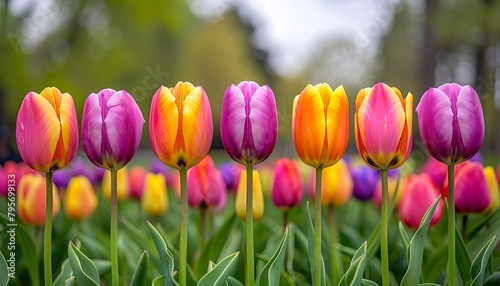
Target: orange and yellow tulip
{"points": [[47, 130], [31, 199], [336, 184], [241, 197], [80, 199], [320, 126], [382, 125], [180, 125]]}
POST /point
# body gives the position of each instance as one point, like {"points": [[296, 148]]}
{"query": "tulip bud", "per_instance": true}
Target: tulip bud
{"points": [[365, 180], [205, 186], [336, 187], [286, 189], [436, 170], [241, 197], [231, 172], [154, 198], [136, 180], [80, 199], [419, 194], [123, 187], [31, 199]]}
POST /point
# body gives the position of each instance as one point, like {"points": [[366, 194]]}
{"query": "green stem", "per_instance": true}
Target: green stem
{"points": [[184, 229], [114, 229], [47, 236], [202, 226], [285, 219], [249, 228], [451, 224], [384, 252], [337, 268], [317, 227]]}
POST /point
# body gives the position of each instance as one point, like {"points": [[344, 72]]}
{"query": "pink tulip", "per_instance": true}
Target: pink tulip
{"points": [[31, 199], [419, 194], [47, 130], [111, 128], [205, 186], [287, 190], [436, 170], [136, 177]]}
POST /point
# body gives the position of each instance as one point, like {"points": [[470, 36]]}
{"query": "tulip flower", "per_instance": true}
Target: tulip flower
{"points": [[4, 187], [394, 182], [287, 189], [231, 175], [123, 188], [248, 130], [383, 133], [31, 199], [180, 131], [154, 200], [136, 178], [257, 196], [61, 178], [47, 140], [364, 181], [320, 130], [436, 170], [80, 199], [491, 179], [419, 194], [451, 124]]}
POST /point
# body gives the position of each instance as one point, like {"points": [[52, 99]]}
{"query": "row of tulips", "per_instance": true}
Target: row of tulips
{"points": [[180, 124]]}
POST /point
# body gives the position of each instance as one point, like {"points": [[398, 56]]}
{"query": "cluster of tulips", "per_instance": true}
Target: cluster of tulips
{"points": [[450, 121]]}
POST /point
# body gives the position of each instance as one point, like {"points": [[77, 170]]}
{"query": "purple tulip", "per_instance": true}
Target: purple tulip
{"points": [[451, 122], [97, 175], [61, 178], [365, 180], [249, 122], [231, 173], [157, 167], [111, 128]]}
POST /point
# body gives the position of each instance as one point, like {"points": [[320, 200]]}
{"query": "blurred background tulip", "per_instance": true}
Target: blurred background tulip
{"points": [[136, 180], [287, 188], [80, 200], [491, 179], [395, 182], [123, 187], [154, 199], [436, 170], [205, 187], [47, 130], [383, 121], [365, 180], [111, 128], [419, 194], [320, 126], [249, 122], [337, 185], [258, 197], [61, 179], [31, 199], [451, 122], [231, 173], [180, 125]]}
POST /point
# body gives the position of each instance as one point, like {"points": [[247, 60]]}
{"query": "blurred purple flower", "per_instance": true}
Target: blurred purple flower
{"points": [[365, 181], [231, 172]]}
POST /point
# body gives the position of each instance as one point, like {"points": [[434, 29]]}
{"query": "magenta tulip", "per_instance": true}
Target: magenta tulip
{"points": [[287, 189], [249, 122], [451, 122], [111, 128], [205, 186]]}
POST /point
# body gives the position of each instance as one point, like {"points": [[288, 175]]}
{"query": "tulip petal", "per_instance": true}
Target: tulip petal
{"points": [[92, 129], [233, 117], [264, 122], [405, 144], [337, 124], [470, 121], [164, 125], [69, 129]]}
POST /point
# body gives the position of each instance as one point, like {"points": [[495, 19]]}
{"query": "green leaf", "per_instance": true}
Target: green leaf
{"points": [[365, 282], [416, 248], [404, 235], [64, 275], [71, 281], [473, 231], [479, 264], [231, 281], [218, 275], [310, 236], [271, 272], [166, 258], [83, 268], [158, 281], [141, 271], [462, 258], [4, 271], [214, 246], [429, 284], [493, 279], [436, 263], [354, 274]]}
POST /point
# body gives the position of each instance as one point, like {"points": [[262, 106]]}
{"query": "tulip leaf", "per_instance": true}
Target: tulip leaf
{"points": [[158, 281], [429, 284], [404, 235], [487, 219], [415, 250], [219, 273], [311, 238], [475, 245], [354, 274], [271, 272], [479, 264], [214, 246], [166, 258], [462, 258], [365, 282], [83, 268], [141, 271], [231, 281], [71, 281], [493, 279], [4, 271], [64, 275]]}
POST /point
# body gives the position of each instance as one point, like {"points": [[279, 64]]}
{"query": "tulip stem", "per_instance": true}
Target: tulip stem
{"points": [[184, 229], [47, 237], [249, 228], [384, 252], [451, 224], [202, 226], [114, 229], [337, 268], [285, 219], [317, 228]]}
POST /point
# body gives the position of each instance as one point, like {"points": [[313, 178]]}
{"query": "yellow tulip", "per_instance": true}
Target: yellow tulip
{"points": [[241, 197], [80, 199], [491, 179], [122, 184], [31, 199], [154, 199]]}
